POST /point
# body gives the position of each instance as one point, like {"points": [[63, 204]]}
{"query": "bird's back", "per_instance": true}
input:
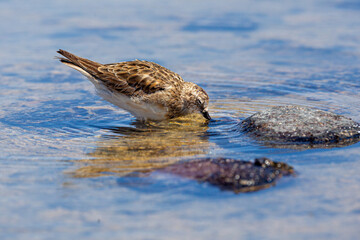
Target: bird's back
{"points": [[129, 78]]}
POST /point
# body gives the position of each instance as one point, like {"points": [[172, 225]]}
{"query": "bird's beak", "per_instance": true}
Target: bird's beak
{"points": [[206, 115]]}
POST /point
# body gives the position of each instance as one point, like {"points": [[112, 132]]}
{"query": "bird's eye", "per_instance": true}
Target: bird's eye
{"points": [[198, 102]]}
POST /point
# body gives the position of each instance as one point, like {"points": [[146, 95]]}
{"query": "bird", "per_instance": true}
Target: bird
{"points": [[145, 89]]}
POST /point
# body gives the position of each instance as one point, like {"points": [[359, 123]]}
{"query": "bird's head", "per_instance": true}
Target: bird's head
{"points": [[197, 99]]}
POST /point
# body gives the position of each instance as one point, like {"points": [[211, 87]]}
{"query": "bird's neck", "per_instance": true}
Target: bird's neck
{"points": [[188, 97]]}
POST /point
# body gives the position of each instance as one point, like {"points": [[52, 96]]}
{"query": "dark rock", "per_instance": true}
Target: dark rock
{"points": [[294, 124], [231, 174]]}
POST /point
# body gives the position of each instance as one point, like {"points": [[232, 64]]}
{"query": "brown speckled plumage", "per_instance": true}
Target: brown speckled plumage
{"points": [[145, 89]]}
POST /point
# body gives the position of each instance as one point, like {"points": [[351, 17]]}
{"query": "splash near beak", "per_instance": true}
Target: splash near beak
{"points": [[206, 115]]}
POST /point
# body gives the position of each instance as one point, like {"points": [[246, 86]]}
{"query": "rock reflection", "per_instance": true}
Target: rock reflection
{"points": [[305, 146], [143, 147]]}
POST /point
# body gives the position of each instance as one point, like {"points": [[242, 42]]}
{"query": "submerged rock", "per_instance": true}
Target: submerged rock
{"points": [[231, 174], [294, 124]]}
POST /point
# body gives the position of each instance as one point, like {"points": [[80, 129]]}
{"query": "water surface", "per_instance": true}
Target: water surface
{"points": [[66, 154]]}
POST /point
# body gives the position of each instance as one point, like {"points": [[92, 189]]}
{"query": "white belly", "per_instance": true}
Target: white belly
{"points": [[140, 110]]}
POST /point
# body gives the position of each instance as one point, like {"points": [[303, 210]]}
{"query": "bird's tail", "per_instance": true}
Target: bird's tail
{"points": [[85, 66]]}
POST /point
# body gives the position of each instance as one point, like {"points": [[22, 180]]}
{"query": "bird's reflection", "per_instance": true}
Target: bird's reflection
{"points": [[145, 146]]}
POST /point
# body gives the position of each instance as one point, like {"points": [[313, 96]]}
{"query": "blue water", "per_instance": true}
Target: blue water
{"points": [[66, 154]]}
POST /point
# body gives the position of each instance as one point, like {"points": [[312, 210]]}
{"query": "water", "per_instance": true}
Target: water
{"points": [[65, 153]]}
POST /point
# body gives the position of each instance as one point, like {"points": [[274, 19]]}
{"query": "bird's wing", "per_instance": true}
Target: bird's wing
{"points": [[144, 76], [126, 77]]}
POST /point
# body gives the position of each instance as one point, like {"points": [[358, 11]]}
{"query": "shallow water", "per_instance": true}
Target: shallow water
{"points": [[66, 154]]}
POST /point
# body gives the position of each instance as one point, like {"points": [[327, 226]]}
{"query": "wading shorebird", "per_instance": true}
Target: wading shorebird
{"points": [[145, 89]]}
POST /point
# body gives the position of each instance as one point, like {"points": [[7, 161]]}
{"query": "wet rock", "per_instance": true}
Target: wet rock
{"points": [[231, 174], [294, 124]]}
